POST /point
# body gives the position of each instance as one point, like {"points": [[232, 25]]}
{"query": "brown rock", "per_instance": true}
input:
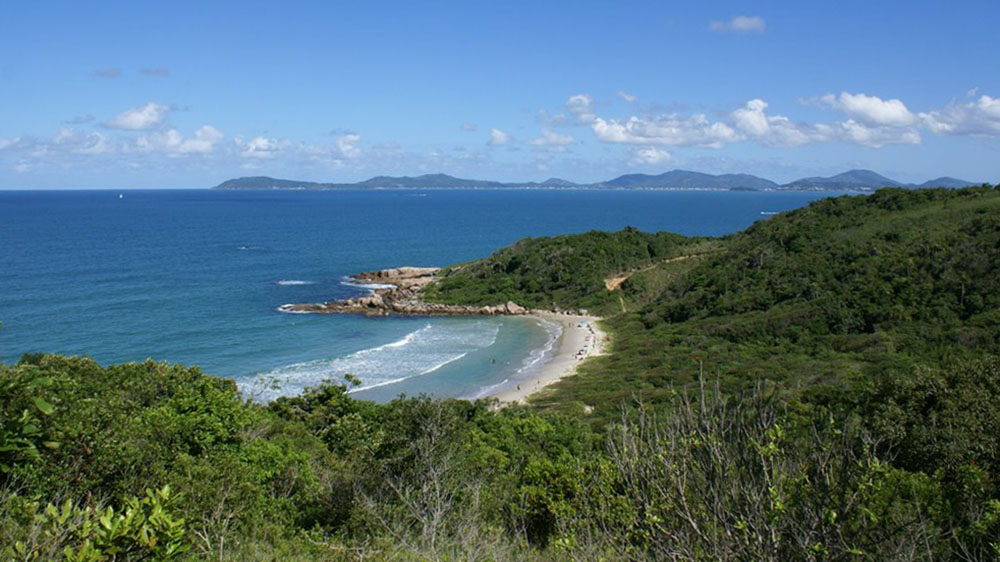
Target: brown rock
{"points": [[513, 308]]}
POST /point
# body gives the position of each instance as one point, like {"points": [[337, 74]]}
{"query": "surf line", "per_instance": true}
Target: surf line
{"points": [[398, 291]]}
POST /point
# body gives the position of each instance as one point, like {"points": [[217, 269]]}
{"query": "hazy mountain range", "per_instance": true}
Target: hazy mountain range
{"points": [[854, 180]]}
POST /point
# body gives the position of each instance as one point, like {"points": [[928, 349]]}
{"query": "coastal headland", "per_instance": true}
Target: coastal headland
{"points": [[399, 290]]}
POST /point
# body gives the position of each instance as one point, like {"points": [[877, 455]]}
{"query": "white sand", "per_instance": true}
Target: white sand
{"points": [[576, 343]]}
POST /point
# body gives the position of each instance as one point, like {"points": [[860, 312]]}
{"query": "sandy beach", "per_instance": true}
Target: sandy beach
{"points": [[580, 338]]}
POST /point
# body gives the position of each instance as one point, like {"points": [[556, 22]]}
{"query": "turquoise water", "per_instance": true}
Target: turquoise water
{"points": [[195, 276]]}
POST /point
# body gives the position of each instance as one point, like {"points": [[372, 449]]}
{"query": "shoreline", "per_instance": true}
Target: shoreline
{"points": [[398, 291], [581, 338]]}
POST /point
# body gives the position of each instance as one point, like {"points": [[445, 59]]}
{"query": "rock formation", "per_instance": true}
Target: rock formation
{"points": [[403, 297]]}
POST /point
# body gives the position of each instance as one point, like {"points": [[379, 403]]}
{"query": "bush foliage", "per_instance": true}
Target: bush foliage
{"points": [[821, 386], [561, 272]]}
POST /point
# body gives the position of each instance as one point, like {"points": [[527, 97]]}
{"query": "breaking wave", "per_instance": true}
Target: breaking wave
{"points": [[417, 353]]}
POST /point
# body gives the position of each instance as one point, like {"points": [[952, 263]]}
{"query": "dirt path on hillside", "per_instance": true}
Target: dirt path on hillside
{"points": [[612, 283]]}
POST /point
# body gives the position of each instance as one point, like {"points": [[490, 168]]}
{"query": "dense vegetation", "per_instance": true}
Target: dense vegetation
{"points": [[818, 300], [821, 386], [561, 272]]}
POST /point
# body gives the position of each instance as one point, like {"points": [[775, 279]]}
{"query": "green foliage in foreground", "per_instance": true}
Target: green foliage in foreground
{"points": [[325, 477], [21, 433], [144, 528], [854, 416]]}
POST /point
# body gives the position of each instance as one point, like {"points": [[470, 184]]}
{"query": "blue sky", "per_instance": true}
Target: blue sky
{"points": [[187, 94]]}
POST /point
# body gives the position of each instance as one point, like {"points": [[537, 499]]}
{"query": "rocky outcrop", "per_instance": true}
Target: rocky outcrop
{"points": [[401, 277], [515, 309], [403, 298]]}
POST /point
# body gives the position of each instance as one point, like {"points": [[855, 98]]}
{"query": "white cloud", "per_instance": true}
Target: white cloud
{"points": [[65, 141], [778, 130], [173, 143], [95, 143], [744, 24], [978, 117], [551, 138], [773, 130], [581, 106], [108, 73], [752, 123], [347, 145], [469, 127], [343, 151], [140, 118], [260, 148], [88, 143], [872, 109], [63, 134], [551, 119], [626, 96], [671, 130], [648, 155], [323, 155], [498, 137], [751, 118], [875, 136]]}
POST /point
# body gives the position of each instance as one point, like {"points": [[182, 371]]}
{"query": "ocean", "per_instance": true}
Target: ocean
{"points": [[196, 276]]}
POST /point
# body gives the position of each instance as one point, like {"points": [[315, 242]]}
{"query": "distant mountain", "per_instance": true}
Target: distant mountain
{"points": [[946, 182], [853, 179], [685, 178], [557, 182], [424, 181], [385, 182], [264, 182]]}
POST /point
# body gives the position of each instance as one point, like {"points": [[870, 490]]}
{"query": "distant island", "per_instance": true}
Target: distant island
{"points": [[852, 180]]}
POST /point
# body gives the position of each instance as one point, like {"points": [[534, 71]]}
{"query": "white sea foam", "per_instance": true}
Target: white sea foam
{"points": [[288, 282], [534, 361], [405, 340], [420, 352], [433, 368], [487, 390], [539, 355], [376, 385], [370, 287]]}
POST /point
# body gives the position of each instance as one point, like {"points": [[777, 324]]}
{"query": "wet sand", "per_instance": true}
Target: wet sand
{"points": [[580, 338]]}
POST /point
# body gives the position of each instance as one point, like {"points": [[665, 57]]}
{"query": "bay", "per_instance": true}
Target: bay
{"points": [[195, 276]]}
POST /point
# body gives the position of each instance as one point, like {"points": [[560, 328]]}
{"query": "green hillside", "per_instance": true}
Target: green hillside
{"points": [[821, 386], [562, 272], [825, 295]]}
